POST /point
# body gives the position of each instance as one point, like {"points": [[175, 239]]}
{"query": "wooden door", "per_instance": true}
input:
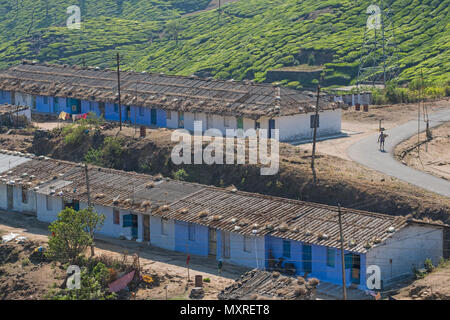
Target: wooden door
{"points": [[146, 228], [10, 196], [356, 267], [153, 117], [225, 244], [212, 241]]}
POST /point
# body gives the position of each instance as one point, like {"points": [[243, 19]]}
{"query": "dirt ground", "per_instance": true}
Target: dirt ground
{"points": [[433, 157], [21, 279], [434, 286]]}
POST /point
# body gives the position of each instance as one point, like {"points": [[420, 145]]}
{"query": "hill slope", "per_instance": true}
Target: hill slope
{"points": [[250, 38]]}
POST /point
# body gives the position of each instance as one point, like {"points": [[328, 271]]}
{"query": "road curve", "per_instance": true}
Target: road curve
{"points": [[366, 152]]}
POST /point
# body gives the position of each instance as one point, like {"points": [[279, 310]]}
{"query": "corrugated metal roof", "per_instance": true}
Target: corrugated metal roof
{"points": [[177, 93], [9, 162]]}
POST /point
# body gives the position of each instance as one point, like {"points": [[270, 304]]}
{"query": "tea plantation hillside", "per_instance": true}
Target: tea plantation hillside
{"points": [[249, 38]]}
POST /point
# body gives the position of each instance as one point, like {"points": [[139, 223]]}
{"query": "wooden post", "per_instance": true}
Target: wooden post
{"points": [[118, 89], [315, 132], [344, 289]]}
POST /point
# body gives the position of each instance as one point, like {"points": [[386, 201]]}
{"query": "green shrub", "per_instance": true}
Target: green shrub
{"points": [[428, 265], [181, 175]]}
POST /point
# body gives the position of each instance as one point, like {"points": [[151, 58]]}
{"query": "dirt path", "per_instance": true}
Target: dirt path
{"points": [[169, 265]]}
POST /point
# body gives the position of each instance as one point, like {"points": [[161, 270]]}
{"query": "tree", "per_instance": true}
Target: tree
{"points": [[72, 233], [93, 222], [173, 28]]}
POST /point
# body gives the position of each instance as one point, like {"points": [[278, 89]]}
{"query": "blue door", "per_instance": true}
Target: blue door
{"points": [[271, 127], [307, 258]]}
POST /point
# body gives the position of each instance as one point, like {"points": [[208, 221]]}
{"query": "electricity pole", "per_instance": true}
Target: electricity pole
{"points": [[344, 289], [316, 120], [118, 88]]}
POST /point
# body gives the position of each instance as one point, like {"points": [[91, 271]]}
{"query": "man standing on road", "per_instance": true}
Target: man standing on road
{"points": [[381, 138]]}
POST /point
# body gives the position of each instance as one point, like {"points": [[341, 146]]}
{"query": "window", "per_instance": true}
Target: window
{"points": [[247, 244], [240, 123], [180, 119], [24, 195], [312, 118], [226, 122], [330, 257], [127, 221], [257, 125], [348, 260], [141, 111], [164, 227], [45, 100], [169, 115], [33, 102], [116, 108], [48, 201], [286, 248], [191, 231], [116, 216]]}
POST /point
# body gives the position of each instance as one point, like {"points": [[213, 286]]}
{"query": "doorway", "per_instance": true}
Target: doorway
{"points": [[271, 127], [356, 268], [146, 226], [225, 244], [153, 117], [212, 242], [307, 258], [101, 108], [9, 193]]}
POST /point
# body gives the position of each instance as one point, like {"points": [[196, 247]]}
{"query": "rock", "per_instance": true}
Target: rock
{"points": [[197, 293]]}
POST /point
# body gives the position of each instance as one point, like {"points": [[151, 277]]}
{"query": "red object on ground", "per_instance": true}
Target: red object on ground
{"points": [[121, 283]]}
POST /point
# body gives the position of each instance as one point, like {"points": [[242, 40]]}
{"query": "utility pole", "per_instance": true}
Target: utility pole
{"points": [[344, 289], [316, 118], [87, 185], [118, 88]]}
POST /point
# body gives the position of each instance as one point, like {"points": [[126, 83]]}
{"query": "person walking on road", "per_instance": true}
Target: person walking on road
{"points": [[381, 139]]}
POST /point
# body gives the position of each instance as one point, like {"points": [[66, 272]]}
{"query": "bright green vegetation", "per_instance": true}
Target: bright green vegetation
{"points": [[251, 37]]}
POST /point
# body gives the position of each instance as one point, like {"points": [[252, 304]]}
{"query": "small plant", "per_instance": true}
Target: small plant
{"points": [[180, 175], [429, 265], [26, 262], [208, 280]]}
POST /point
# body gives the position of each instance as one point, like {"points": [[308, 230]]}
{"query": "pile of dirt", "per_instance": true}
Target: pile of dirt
{"points": [[262, 285]]}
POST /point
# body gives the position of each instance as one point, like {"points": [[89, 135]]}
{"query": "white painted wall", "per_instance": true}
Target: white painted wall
{"points": [[19, 205], [172, 123], [23, 99], [157, 239], [406, 249], [254, 258], [48, 215], [298, 126]]}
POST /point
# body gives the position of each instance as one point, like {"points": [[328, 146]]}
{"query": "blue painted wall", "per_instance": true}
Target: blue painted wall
{"points": [[90, 106], [5, 97], [320, 270], [198, 246], [44, 104], [161, 118]]}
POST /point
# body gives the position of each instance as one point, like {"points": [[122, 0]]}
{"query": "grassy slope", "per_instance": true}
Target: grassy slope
{"points": [[252, 37]]}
